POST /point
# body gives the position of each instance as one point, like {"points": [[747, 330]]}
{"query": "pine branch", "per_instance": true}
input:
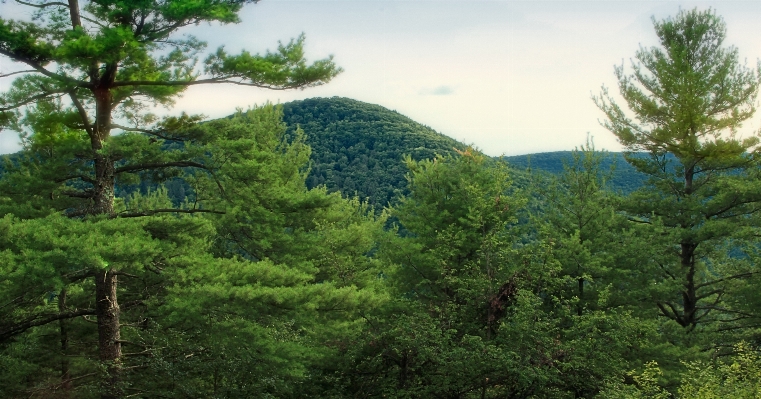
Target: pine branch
{"points": [[39, 320], [149, 166], [127, 214], [736, 276], [225, 80], [32, 99], [54, 3], [156, 133], [5, 75], [82, 112], [40, 69]]}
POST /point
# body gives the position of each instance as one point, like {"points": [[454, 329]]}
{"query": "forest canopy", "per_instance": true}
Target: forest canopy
{"points": [[329, 248]]}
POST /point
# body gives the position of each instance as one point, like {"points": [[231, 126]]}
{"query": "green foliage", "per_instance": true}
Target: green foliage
{"points": [[624, 177], [473, 312], [688, 97], [358, 148], [580, 220], [48, 289], [242, 271], [248, 297], [738, 376], [435, 338], [89, 68]]}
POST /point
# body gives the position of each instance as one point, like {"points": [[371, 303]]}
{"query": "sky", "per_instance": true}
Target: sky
{"points": [[509, 77]]}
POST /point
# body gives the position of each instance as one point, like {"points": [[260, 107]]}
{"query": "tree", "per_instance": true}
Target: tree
{"points": [[601, 257], [252, 299], [98, 66], [688, 99], [579, 219]]}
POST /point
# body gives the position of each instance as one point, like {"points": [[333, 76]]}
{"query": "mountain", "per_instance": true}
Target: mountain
{"points": [[358, 148], [625, 178]]}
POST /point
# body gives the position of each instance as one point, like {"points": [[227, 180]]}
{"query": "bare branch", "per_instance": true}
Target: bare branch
{"points": [[125, 274], [225, 79], [80, 177], [708, 294], [78, 275], [82, 112], [736, 276], [5, 75], [79, 194], [39, 68], [55, 3], [146, 131]]}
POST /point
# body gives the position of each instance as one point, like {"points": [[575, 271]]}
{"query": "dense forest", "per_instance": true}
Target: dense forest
{"points": [[358, 149], [329, 248]]}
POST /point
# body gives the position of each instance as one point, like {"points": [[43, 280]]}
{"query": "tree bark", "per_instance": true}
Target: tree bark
{"points": [[103, 199], [109, 336], [580, 306], [689, 295], [64, 334], [74, 13]]}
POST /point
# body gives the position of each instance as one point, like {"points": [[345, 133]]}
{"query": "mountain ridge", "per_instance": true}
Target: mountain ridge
{"points": [[358, 149]]}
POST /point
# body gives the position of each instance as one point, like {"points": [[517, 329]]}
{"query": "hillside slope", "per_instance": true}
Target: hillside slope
{"points": [[358, 148], [625, 178]]}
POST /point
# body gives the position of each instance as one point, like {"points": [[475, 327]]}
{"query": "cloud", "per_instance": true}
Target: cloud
{"points": [[437, 91]]}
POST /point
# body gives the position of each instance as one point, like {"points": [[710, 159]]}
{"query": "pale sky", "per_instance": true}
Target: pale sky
{"points": [[510, 77]]}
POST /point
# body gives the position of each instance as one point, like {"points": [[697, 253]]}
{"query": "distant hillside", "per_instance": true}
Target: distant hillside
{"points": [[625, 178], [358, 147]]}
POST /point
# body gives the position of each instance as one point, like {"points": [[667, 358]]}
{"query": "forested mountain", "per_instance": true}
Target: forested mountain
{"points": [[176, 258], [358, 148], [624, 177]]}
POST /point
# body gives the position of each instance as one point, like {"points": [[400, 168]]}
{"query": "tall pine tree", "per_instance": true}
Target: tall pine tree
{"points": [[686, 100], [91, 68]]}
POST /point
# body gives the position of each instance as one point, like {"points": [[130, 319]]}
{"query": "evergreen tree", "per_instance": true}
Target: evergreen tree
{"points": [[249, 299], [579, 218], [476, 307], [97, 67], [688, 98], [599, 286]]}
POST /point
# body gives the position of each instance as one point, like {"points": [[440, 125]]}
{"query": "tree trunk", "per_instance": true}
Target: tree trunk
{"points": [[106, 305], [103, 199], [580, 306], [74, 13], [687, 259], [64, 334], [689, 295], [109, 336], [103, 195]]}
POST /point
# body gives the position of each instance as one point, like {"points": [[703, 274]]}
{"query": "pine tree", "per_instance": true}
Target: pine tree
{"points": [[688, 98], [94, 68]]}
